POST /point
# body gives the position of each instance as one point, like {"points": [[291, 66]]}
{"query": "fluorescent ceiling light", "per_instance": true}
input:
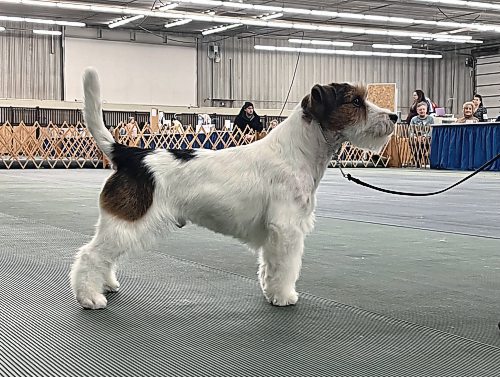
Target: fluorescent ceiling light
{"points": [[297, 11], [265, 8], [41, 21], [125, 21], [367, 17], [393, 47], [359, 16], [73, 6], [47, 32], [444, 39], [272, 16], [320, 42], [168, 7], [447, 40], [245, 21], [347, 52], [219, 29], [178, 23]]}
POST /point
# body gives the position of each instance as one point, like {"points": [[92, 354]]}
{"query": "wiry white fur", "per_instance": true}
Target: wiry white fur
{"points": [[371, 134], [92, 111], [262, 194]]}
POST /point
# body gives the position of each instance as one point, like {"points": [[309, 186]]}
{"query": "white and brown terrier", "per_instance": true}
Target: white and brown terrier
{"points": [[263, 194]]}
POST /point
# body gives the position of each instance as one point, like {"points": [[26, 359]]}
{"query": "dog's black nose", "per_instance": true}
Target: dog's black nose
{"points": [[393, 118]]}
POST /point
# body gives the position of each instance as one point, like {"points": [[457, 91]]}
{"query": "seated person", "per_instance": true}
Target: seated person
{"points": [[248, 119], [468, 110], [273, 124], [422, 118], [420, 133], [204, 123], [480, 112], [130, 131], [176, 125]]}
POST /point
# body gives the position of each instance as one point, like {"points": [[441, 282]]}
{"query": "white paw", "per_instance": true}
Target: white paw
{"points": [[283, 299], [92, 300], [111, 286]]}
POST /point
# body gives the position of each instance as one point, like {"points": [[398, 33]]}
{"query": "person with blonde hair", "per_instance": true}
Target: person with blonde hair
{"points": [[273, 124], [468, 114]]}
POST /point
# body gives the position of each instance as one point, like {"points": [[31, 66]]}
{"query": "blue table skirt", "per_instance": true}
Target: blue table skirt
{"points": [[465, 146]]}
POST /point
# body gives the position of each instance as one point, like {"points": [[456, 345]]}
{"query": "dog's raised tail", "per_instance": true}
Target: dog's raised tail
{"points": [[92, 112]]}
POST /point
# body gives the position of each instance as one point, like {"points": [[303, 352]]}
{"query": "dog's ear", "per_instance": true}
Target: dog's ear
{"points": [[322, 101]]}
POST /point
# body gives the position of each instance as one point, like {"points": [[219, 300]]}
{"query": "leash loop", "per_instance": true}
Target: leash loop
{"points": [[360, 182]]}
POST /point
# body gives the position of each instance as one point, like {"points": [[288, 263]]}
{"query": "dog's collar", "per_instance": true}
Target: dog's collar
{"points": [[330, 146]]}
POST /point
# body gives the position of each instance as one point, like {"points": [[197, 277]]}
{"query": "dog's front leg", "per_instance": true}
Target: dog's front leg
{"points": [[280, 261]]}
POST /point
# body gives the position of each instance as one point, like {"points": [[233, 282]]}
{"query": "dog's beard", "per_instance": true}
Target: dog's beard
{"points": [[373, 145], [370, 137]]}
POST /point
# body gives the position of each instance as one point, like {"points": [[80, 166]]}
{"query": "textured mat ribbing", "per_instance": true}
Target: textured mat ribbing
{"points": [[178, 318]]}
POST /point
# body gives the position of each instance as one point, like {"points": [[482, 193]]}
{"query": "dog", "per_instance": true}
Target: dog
{"points": [[263, 194]]}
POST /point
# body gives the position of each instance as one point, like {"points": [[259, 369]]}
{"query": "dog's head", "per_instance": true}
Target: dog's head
{"points": [[344, 113]]}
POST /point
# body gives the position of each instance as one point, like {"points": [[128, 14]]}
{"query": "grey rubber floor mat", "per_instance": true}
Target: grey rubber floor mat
{"points": [[178, 318]]}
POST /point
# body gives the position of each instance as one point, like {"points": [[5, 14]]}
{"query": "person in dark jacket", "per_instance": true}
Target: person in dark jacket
{"points": [[248, 117], [480, 112]]}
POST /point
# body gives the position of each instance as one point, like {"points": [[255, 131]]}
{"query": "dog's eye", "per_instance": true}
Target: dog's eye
{"points": [[356, 102]]}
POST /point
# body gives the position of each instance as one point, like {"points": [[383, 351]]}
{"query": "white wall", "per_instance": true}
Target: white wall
{"points": [[132, 73]]}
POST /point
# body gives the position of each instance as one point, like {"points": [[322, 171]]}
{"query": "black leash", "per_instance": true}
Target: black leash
{"points": [[360, 182]]}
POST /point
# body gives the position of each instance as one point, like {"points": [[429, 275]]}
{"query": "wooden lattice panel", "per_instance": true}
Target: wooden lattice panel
{"points": [[410, 146], [350, 155], [72, 145]]}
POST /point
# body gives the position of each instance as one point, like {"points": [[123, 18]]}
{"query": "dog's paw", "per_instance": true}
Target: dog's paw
{"points": [[283, 299], [111, 286], [92, 301]]}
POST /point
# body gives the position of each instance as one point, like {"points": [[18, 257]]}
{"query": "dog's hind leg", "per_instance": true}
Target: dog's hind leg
{"points": [[280, 261], [93, 272]]}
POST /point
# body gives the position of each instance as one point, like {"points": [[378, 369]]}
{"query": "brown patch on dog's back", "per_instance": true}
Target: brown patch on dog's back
{"points": [[128, 193]]}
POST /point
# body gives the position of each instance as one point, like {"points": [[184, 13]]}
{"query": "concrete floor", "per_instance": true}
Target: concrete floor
{"points": [[390, 285]]}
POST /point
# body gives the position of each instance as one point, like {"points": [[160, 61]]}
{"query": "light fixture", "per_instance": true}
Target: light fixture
{"points": [[245, 21], [367, 17], [42, 21], [347, 52], [125, 21], [168, 7], [392, 47], [272, 16], [444, 39], [320, 42], [178, 23], [219, 29], [47, 32], [306, 26], [2, 28]]}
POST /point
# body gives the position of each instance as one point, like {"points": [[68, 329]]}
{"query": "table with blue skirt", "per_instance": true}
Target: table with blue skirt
{"points": [[465, 146]]}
